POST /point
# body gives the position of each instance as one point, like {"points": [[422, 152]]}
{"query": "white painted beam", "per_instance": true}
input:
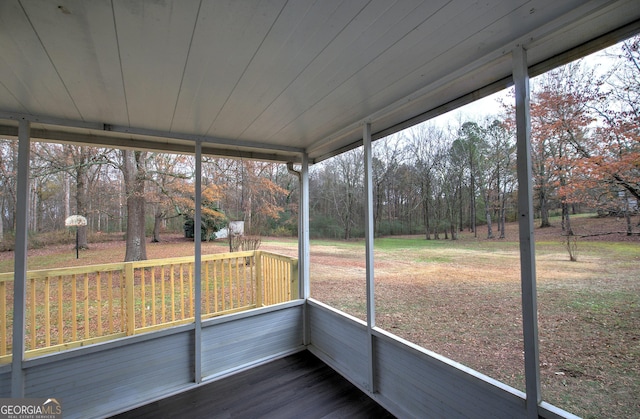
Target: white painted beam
{"points": [[369, 236], [304, 245], [20, 260], [525, 220], [197, 240]]}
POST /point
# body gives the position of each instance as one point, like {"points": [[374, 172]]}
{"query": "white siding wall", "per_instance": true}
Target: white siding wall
{"points": [[409, 381], [339, 341], [5, 382], [111, 377], [233, 343]]}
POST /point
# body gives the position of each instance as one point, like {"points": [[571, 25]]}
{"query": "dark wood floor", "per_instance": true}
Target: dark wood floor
{"points": [[298, 386]]}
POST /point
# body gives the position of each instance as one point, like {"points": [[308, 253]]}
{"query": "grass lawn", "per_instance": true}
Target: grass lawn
{"points": [[462, 299]]}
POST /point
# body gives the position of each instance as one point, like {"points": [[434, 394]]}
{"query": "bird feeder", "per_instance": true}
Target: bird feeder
{"points": [[76, 221]]}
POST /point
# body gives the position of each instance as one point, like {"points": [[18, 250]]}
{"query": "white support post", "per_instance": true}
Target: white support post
{"points": [[369, 236], [525, 220], [303, 245], [197, 238], [20, 260], [303, 241]]}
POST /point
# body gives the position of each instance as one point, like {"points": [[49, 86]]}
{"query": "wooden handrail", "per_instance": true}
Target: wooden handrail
{"points": [[71, 307]]}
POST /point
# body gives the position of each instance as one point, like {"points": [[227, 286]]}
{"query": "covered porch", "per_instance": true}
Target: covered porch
{"points": [[292, 82]]}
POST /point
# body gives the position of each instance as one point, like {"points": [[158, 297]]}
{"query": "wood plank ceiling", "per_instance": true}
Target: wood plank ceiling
{"points": [[272, 78]]}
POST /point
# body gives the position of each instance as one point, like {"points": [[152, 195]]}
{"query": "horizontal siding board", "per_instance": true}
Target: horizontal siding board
{"points": [[431, 387], [341, 339], [102, 382], [410, 381], [170, 349], [5, 385], [238, 343]]}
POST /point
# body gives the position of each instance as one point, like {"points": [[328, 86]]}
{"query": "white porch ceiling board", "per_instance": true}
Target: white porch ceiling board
{"points": [[372, 31], [87, 65], [227, 36], [154, 40], [300, 33], [601, 17], [7, 99], [27, 71], [448, 48], [270, 76], [512, 22]]}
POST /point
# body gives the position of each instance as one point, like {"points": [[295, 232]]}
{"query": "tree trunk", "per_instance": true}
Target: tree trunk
{"points": [[425, 211], [82, 198], [544, 209], [473, 202], [67, 195], [502, 216], [627, 216], [134, 178], [157, 223], [566, 222], [2, 223], [487, 212]]}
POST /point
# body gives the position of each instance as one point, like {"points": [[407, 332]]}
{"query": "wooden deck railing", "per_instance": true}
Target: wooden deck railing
{"points": [[72, 307]]}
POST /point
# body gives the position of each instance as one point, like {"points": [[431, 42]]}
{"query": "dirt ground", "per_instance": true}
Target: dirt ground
{"points": [[462, 300]]}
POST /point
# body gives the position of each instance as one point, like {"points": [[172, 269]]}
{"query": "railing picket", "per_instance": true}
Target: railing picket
{"points": [[215, 286], [281, 274], [259, 284], [191, 302], [143, 302], [32, 313], [181, 291], [244, 282], [130, 298], [251, 279], [123, 307], [207, 291], [110, 296], [74, 312], [3, 318], [238, 281], [86, 306], [162, 294], [153, 296], [173, 293], [99, 301], [270, 278], [293, 281], [271, 284], [230, 283], [222, 285], [60, 310], [47, 312], [276, 288]]}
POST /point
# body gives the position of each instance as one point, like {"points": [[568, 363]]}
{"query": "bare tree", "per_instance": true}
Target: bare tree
{"points": [[426, 143], [134, 170]]}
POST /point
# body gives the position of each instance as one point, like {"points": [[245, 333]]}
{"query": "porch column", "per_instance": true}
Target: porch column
{"points": [[369, 233], [303, 234], [303, 244], [197, 267], [525, 221], [20, 259]]}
